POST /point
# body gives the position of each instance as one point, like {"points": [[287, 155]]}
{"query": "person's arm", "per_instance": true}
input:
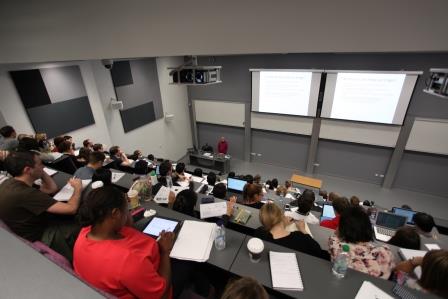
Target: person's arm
{"points": [[125, 160], [48, 184], [166, 243], [301, 226], [409, 265], [70, 207], [171, 199]]}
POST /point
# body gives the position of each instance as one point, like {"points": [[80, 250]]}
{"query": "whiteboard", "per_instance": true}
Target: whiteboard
{"points": [[364, 133], [429, 135], [282, 123], [220, 112]]}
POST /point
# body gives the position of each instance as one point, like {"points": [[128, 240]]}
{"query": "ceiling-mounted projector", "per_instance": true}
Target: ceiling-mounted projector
{"points": [[193, 74]]}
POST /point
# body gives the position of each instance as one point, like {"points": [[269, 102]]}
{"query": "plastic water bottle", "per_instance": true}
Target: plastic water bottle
{"points": [[220, 237], [340, 263], [169, 182]]}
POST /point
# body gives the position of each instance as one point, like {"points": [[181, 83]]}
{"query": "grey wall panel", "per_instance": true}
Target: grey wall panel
{"points": [[138, 116], [63, 117], [237, 79], [63, 83], [355, 161], [280, 149], [2, 120], [208, 133], [424, 173], [121, 73]]}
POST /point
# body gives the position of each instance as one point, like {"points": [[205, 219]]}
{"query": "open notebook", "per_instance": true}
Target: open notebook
{"points": [[285, 271]]}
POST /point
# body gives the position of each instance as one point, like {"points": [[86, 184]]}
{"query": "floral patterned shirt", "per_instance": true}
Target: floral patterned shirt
{"points": [[365, 257]]}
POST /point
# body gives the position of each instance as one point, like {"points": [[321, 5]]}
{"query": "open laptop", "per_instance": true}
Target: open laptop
{"points": [[387, 224], [327, 212], [409, 214], [235, 185]]}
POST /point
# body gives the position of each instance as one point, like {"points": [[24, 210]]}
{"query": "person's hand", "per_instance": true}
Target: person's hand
{"points": [[301, 226], [231, 205], [166, 242], [75, 183], [417, 261]]}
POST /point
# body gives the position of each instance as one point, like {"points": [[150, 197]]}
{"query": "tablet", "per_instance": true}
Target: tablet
{"points": [[327, 212], [158, 224], [235, 184]]}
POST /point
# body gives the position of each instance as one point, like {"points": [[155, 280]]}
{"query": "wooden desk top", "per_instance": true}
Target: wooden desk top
{"points": [[307, 181]]}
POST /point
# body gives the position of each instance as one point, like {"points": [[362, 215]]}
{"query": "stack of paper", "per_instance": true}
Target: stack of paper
{"points": [[408, 254], [116, 176], [185, 183], [197, 179], [370, 291], [285, 271], [67, 191], [292, 227], [216, 209], [194, 241], [50, 171]]}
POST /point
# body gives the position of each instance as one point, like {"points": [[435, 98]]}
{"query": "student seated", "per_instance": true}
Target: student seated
{"points": [[87, 144], [180, 172], [31, 144], [273, 184], [96, 160], [66, 148], [220, 191], [257, 179], [356, 231], [324, 194], [274, 230], [425, 225], [197, 172], [434, 272], [115, 257], [98, 147], [406, 237], [305, 203], [26, 210], [244, 288], [211, 178], [354, 201], [332, 196], [281, 191], [83, 155], [185, 202], [165, 173], [136, 155], [252, 195], [8, 141], [56, 142], [249, 178], [339, 205], [118, 156]]}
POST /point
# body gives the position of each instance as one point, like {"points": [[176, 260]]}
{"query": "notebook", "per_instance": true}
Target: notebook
{"points": [[67, 191], [235, 185], [242, 215], [387, 224], [285, 271], [370, 291], [194, 241], [162, 195], [327, 212], [408, 254]]}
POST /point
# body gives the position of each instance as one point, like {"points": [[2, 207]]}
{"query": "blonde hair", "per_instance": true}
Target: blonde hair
{"points": [[281, 191], [270, 215]]}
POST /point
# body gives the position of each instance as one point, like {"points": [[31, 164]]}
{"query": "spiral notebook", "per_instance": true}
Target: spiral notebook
{"points": [[285, 271]]}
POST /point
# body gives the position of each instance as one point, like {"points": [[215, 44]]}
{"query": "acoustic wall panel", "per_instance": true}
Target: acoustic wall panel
{"points": [[138, 116], [136, 84], [55, 99], [68, 115]]}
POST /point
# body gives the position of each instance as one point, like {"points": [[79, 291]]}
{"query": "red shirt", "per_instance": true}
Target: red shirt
{"points": [[332, 223], [125, 268], [222, 147]]}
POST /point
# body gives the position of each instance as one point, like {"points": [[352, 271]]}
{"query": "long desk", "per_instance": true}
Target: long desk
{"points": [[306, 181], [25, 273], [215, 162]]}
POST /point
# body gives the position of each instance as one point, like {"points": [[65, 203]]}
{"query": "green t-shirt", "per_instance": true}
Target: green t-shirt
{"points": [[23, 208]]}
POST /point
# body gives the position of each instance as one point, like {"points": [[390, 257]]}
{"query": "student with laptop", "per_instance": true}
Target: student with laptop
{"points": [[387, 224], [425, 225], [340, 204], [356, 231], [115, 257], [305, 204], [406, 237]]}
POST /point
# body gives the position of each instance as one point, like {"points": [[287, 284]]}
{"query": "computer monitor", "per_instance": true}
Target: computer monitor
{"points": [[390, 220], [409, 214], [327, 212], [235, 185]]}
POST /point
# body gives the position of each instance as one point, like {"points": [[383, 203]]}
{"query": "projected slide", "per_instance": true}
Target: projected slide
{"points": [[368, 97], [285, 92]]}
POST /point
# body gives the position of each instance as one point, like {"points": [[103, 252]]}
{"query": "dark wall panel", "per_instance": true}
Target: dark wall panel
{"points": [[424, 173], [355, 161], [59, 118], [121, 73], [31, 88], [208, 133], [138, 116], [281, 149]]}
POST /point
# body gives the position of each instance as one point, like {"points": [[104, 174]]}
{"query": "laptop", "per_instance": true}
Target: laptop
{"points": [[235, 185], [387, 224], [409, 214], [327, 212]]}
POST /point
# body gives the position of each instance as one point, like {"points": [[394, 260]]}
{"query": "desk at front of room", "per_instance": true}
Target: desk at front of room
{"points": [[234, 259]]}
